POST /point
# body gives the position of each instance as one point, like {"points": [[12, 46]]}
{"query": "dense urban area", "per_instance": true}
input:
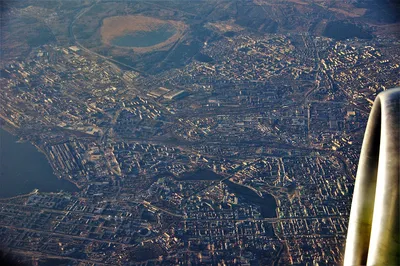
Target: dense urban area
{"points": [[246, 155]]}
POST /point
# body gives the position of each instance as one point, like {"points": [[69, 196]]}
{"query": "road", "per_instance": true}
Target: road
{"points": [[64, 235], [38, 254], [72, 35]]}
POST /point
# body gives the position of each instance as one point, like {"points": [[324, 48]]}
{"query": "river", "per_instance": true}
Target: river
{"points": [[23, 168], [267, 202]]}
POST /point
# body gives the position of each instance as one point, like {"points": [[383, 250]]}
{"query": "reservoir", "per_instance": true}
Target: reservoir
{"points": [[144, 38], [340, 30], [23, 168]]}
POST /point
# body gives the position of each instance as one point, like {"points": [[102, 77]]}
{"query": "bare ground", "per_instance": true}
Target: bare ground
{"points": [[116, 26]]}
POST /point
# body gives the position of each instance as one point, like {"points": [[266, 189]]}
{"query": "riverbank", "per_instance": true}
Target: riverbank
{"points": [[266, 201]]}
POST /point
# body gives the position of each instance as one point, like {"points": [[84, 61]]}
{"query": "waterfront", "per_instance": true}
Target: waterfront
{"points": [[267, 202], [23, 168]]}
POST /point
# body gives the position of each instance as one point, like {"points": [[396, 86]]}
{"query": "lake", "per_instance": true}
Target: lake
{"points": [[341, 30], [144, 38], [23, 168]]}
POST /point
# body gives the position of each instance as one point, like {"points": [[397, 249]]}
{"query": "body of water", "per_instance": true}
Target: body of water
{"points": [[341, 30], [144, 38], [267, 202], [23, 168]]}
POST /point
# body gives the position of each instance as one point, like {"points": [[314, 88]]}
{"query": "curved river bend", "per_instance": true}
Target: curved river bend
{"points": [[267, 203]]}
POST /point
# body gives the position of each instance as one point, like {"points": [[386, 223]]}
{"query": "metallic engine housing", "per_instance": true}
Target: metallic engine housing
{"points": [[373, 232]]}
